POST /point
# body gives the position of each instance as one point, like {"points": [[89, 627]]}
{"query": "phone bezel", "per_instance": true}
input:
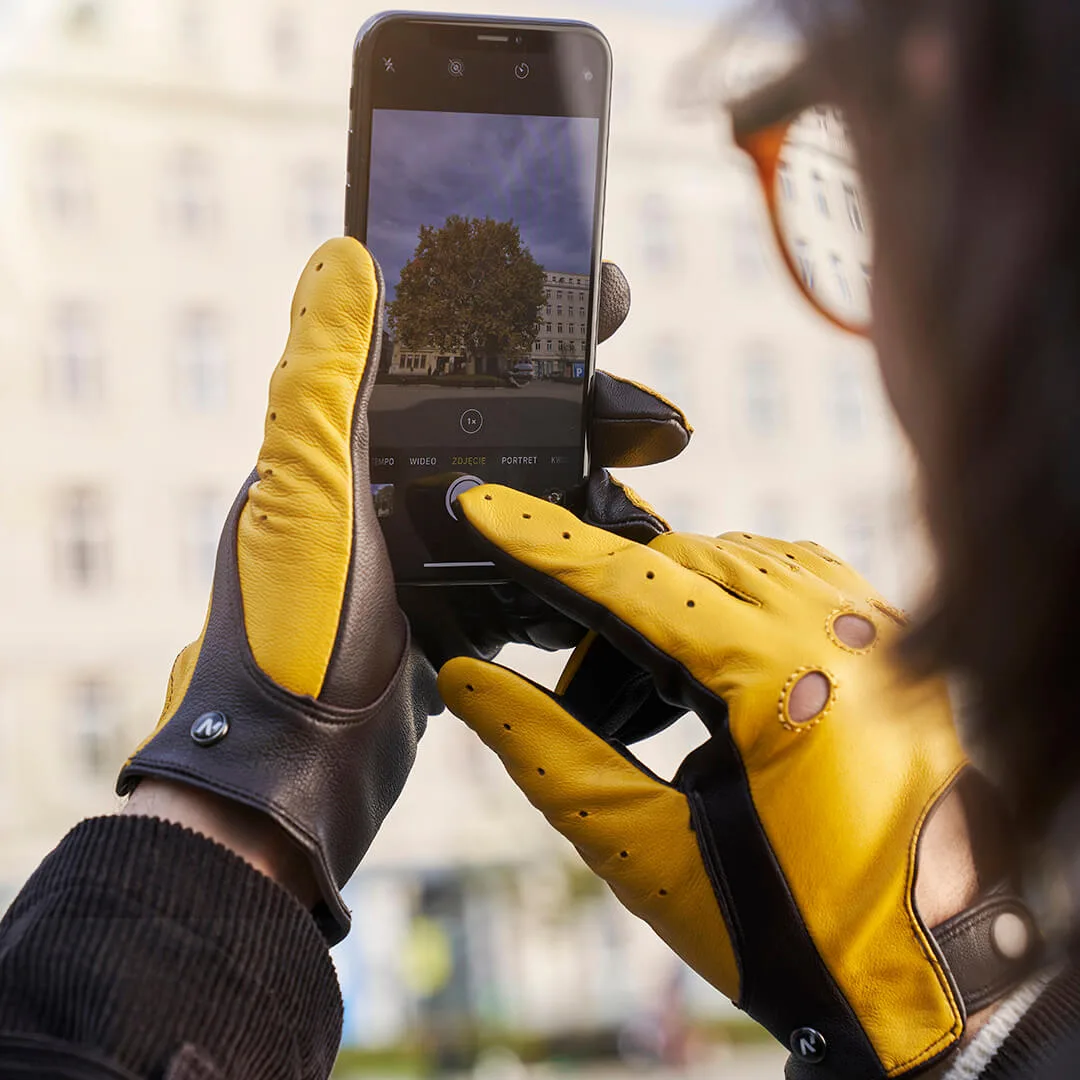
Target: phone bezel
{"points": [[359, 164]]}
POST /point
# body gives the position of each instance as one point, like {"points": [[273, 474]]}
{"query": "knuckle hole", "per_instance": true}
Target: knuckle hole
{"points": [[855, 631], [808, 697]]}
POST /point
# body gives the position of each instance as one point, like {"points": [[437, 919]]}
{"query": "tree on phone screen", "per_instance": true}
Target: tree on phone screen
{"points": [[473, 289]]}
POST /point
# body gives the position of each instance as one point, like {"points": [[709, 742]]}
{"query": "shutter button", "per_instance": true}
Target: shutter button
{"points": [[210, 728], [808, 1045]]}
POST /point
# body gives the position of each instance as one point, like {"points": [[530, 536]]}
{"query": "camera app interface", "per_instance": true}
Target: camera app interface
{"points": [[483, 224]]}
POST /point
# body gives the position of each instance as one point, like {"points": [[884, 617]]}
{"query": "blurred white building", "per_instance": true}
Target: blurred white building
{"points": [[166, 169]]}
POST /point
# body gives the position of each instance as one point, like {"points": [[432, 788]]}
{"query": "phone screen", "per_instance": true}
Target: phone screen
{"points": [[483, 185]]}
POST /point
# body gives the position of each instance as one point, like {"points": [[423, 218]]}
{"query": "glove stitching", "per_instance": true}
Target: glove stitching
{"points": [[944, 1041], [849, 609], [897, 615], [807, 725]]}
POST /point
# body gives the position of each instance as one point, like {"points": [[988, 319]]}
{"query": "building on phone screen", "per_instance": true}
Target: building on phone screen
{"points": [[559, 351]]}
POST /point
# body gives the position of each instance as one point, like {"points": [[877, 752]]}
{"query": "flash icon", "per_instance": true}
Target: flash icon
{"points": [[388, 63], [588, 75]]}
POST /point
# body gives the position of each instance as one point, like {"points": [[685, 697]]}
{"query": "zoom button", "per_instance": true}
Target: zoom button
{"points": [[472, 420]]}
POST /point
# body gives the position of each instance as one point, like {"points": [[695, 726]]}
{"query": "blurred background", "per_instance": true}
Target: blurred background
{"points": [[166, 168]]}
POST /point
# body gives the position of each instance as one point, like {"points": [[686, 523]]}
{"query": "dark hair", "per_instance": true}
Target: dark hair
{"points": [[975, 194]]}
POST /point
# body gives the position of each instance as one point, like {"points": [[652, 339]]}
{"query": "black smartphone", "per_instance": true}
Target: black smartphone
{"points": [[477, 160]]}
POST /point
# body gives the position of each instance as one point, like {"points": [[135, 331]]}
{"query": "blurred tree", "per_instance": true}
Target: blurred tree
{"points": [[471, 287]]}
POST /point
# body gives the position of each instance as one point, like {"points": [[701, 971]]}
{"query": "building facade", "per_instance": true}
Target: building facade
{"points": [[167, 170]]}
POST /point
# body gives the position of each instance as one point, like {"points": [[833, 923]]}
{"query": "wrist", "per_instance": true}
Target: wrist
{"points": [[252, 835]]}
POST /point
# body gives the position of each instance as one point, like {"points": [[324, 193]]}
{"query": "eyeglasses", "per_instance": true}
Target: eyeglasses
{"points": [[812, 188]]}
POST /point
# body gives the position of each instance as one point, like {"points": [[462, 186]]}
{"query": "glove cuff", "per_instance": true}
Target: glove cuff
{"points": [[327, 775], [990, 949]]}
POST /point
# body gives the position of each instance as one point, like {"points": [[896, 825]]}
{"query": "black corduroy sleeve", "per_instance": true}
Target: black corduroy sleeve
{"points": [[144, 945], [1045, 1044]]}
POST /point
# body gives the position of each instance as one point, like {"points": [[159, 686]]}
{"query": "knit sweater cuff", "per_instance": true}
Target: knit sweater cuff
{"points": [[137, 937], [1043, 1042]]}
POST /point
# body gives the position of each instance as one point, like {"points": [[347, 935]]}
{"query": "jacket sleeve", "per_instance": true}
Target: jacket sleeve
{"points": [[139, 949]]}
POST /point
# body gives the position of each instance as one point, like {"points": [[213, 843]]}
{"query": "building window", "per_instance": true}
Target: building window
{"points": [[84, 19], [549, 348], [204, 512], [668, 369], [93, 716], [581, 313], [548, 328], [194, 200], [318, 198], [860, 540], [571, 330], [549, 309], [846, 404], [65, 190], [658, 231], [285, 45], [191, 24], [74, 362], [82, 540], [536, 346], [854, 208], [201, 366], [764, 392], [560, 328]]}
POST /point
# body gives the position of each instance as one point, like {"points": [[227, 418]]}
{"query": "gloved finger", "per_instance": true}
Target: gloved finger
{"points": [[614, 301], [617, 508], [631, 828], [631, 425], [302, 514], [805, 556], [749, 580], [665, 617], [614, 697], [809, 556]]}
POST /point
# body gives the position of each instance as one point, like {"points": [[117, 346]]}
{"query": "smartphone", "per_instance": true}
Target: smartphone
{"points": [[477, 161]]}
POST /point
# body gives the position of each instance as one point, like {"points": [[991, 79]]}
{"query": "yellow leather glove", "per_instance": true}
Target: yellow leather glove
{"points": [[304, 697], [780, 863]]}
